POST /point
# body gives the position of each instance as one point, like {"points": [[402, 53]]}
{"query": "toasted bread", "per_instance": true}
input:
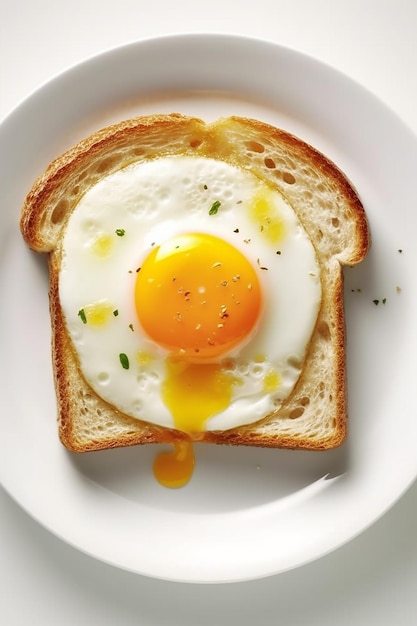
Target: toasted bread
{"points": [[315, 414]]}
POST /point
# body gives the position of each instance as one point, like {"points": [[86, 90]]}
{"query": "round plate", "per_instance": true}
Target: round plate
{"points": [[247, 512]]}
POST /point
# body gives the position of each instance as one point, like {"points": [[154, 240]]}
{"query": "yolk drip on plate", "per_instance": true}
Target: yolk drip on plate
{"points": [[174, 468], [197, 296]]}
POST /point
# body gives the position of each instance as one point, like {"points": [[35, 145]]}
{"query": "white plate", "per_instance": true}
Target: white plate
{"points": [[247, 512]]}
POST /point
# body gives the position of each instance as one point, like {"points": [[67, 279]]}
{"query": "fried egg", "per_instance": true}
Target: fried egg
{"points": [[190, 291]]}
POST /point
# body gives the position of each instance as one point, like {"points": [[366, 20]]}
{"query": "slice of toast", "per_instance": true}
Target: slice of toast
{"points": [[315, 414]]}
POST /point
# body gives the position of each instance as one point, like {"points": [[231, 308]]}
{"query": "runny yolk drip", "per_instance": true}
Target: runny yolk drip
{"points": [[193, 392], [197, 296]]}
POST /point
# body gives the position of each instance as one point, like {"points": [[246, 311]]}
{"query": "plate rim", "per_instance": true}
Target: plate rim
{"points": [[190, 37]]}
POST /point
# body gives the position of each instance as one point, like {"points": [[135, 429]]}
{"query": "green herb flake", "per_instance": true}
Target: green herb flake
{"points": [[384, 300], [131, 327], [82, 316], [120, 232], [124, 360], [215, 207], [116, 312]]}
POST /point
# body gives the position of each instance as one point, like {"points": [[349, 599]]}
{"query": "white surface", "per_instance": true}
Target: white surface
{"points": [[270, 494], [373, 578]]}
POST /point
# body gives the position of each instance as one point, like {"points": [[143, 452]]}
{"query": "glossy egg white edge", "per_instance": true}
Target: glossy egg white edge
{"points": [[117, 224]]}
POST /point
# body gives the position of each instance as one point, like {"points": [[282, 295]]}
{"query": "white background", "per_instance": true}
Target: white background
{"points": [[373, 579]]}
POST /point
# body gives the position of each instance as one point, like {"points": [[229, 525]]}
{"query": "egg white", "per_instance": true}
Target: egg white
{"points": [[113, 229]]}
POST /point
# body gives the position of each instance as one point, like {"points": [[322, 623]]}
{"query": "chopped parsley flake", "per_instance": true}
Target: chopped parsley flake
{"points": [[120, 232], [124, 360], [214, 207], [82, 316], [116, 312], [131, 327]]}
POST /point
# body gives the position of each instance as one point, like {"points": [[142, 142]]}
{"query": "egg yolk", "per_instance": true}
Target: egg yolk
{"points": [[198, 296], [174, 468]]}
